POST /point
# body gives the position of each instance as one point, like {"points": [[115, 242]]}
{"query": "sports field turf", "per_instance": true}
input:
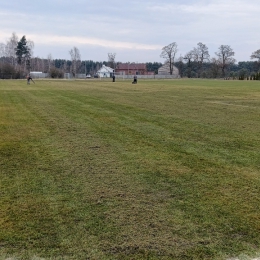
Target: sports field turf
{"points": [[165, 169]]}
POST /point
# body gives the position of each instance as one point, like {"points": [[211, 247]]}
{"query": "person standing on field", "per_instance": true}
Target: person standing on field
{"points": [[135, 80], [28, 79]]}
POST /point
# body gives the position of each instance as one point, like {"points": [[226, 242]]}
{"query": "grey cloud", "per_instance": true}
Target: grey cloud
{"points": [[233, 22]]}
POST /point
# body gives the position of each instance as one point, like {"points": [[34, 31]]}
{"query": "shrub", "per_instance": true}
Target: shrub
{"points": [[7, 71], [56, 73]]}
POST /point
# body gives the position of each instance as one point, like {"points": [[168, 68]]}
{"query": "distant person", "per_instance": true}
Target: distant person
{"points": [[114, 78], [28, 79], [135, 80]]}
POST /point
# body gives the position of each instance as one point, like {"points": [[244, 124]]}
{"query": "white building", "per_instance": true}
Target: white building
{"points": [[165, 70], [38, 74], [105, 72]]}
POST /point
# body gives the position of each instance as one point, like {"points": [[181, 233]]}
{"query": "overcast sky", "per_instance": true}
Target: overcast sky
{"points": [[135, 30]]}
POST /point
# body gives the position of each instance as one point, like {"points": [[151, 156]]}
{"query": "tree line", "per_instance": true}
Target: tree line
{"points": [[16, 61], [197, 63]]}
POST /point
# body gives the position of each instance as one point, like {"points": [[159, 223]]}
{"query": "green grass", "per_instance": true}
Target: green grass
{"points": [[101, 170]]}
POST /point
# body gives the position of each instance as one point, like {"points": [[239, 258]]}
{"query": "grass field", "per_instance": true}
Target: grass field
{"points": [[101, 170]]}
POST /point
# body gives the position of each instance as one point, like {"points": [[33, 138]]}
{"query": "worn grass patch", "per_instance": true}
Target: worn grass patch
{"points": [[102, 170]]}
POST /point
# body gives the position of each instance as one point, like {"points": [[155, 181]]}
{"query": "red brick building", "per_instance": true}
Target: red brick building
{"points": [[131, 69]]}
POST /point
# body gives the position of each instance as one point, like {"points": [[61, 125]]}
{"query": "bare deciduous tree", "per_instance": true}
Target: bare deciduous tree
{"points": [[169, 53], [225, 56], [111, 60], [35, 64], [50, 62], [30, 44], [188, 57], [10, 48], [256, 55], [200, 54], [75, 59], [2, 49], [214, 67]]}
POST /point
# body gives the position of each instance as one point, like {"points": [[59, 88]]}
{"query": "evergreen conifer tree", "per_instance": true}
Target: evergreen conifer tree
{"points": [[23, 54]]}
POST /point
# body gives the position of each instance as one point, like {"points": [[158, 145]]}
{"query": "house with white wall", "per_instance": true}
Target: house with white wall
{"points": [[105, 72]]}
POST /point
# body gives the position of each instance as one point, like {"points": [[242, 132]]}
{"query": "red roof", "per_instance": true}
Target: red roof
{"points": [[131, 66]]}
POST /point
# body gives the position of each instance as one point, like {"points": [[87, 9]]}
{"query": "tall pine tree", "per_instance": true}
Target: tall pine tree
{"points": [[23, 53]]}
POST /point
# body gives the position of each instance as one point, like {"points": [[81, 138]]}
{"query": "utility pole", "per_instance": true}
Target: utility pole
{"points": [[128, 70]]}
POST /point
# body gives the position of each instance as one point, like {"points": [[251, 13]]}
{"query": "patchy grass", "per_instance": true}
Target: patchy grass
{"points": [[102, 170]]}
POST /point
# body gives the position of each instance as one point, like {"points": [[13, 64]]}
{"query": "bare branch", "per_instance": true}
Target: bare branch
{"points": [[75, 59], [225, 57], [168, 53], [111, 60], [256, 55]]}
